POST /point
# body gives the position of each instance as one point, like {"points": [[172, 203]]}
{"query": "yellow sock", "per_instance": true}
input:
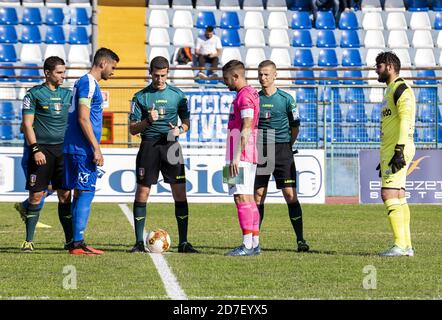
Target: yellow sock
{"points": [[406, 215], [396, 218]]}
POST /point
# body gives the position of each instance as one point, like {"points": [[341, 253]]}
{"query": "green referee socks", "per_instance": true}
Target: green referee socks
{"points": [[261, 214], [182, 219], [65, 217], [295, 214], [32, 215], [140, 210]]}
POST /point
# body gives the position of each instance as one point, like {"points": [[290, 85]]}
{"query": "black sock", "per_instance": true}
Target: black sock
{"points": [[65, 216], [32, 215], [182, 219], [261, 214], [295, 214], [140, 210]]}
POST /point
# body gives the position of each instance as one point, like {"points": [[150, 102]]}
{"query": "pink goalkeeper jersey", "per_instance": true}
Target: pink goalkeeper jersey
{"points": [[246, 104]]}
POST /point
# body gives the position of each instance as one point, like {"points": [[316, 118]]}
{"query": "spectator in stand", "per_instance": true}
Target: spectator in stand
{"points": [[325, 5], [208, 50]]}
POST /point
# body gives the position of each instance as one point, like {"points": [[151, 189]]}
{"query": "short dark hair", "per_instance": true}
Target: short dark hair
{"points": [[389, 57], [209, 29], [233, 65], [159, 63], [105, 53], [52, 62], [267, 63]]}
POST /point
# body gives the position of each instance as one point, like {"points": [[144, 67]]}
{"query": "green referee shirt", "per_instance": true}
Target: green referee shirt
{"points": [[50, 110], [278, 112], [170, 103]]}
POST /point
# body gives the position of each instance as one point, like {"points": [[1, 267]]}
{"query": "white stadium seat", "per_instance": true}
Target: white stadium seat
{"points": [[424, 58], [422, 39], [230, 53], [183, 37], [279, 38], [182, 19], [254, 56], [158, 19], [253, 20], [420, 20], [254, 38], [277, 20], [281, 57], [398, 39], [396, 21], [374, 39], [158, 37], [372, 21]]}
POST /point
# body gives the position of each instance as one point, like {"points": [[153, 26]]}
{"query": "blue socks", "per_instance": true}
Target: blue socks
{"points": [[81, 208]]}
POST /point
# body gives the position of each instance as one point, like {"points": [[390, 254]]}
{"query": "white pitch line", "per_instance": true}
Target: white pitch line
{"points": [[170, 282]]}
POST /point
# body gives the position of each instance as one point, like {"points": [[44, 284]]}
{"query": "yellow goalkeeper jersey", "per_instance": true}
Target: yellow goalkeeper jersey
{"points": [[398, 115]]}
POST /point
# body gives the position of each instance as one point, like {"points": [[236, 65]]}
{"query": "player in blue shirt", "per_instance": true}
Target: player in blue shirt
{"points": [[81, 145]]}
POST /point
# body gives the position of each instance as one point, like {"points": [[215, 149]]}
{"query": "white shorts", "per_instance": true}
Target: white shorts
{"points": [[248, 187]]}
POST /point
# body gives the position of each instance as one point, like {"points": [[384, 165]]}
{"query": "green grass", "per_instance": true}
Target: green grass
{"points": [[343, 239]]}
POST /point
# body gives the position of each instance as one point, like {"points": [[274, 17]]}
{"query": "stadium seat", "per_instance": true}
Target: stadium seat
{"points": [[396, 21], [304, 74], [373, 78], [326, 39], [74, 74], [301, 20], [79, 54], [254, 20], [376, 113], [183, 37], [394, 5], [230, 38], [230, 54], [427, 95], [30, 73], [427, 113], [351, 58], [371, 5], [376, 95], [55, 50], [308, 134], [33, 3], [7, 74], [185, 73], [438, 21], [84, 3], [155, 52], [7, 111], [78, 35], [158, 37], [352, 74], [306, 95], [254, 38], [357, 134], [54, 17], [329, 94], [418, 5], [276, 5], [325, 20], [374, 39], [375, 135], [277, 20], [79, 17], [55, 3], [307, 112], [206, 5], [398, 39], [354, 95], [439, 40], [158, 19], [8, 34], [6, 131], [303, 58], [302, 38], [182, 4], [424, 58], [336, 115], [428, 134], [252, 5], [182, 19], [420, 21], [55, 35], [423, 39], [327, 58], [31, 53], [205, 19], [404, 57], [8, 16], [437, 5], [7, 53], [300, 5], [31, 16], [333, 74], [281, 57], [229, 20], [158, 4], [283, 82], [338, 135], [350, 39], [254, 56], [229, 5], [426, 73], [278, 38], [348, 21], [372, 21], [30, 34]]}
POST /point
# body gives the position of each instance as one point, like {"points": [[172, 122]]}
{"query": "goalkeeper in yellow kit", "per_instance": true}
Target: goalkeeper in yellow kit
{"points": [[397, 150]]}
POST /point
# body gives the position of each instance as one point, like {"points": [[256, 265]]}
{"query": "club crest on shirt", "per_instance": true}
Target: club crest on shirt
{"points": [[57, 107]]}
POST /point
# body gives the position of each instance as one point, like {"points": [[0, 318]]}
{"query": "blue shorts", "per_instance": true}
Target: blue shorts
{"points": [[79, 172]]}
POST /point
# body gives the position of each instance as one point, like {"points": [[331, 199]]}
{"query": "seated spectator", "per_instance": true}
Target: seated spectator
{"points": [[325, 5], [208, 50]]}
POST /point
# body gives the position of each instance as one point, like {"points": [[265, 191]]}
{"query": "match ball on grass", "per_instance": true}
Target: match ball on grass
{"points": [[158, 241]]}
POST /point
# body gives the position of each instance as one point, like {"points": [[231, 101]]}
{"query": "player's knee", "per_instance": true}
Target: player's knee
{"points": [[64, 196], [35, 197], [142, 193]]}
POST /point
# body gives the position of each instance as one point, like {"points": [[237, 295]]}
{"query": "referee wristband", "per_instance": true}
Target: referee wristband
{"points": [[34, 148]]}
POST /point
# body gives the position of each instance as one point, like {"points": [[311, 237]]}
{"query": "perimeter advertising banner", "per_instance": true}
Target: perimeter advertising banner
{"points": [[203, 173], [424, 177]]}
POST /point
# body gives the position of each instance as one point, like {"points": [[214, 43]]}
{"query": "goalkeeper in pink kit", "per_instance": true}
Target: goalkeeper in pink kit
{"points": [[242, 156]]}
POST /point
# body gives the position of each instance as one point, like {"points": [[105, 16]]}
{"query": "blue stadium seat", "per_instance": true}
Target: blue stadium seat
{"points": [[301, 20], [7, 111], [418, 5], [330, 93], [305, 74], [348, 21], [327, 58], [302, 38], [307, 112], [337, 113], [7, 53], [303, 58], [8, 34], [351, 58], [205, 19], [439, 134], [329, 74], [437, 5], [427, 113], [78, 35], [55, 35], [376, 113], [30, 73], [306, 95], [308, 134], [375, 136], [326, 39], [427, 95], [30, 34], [428, 135], [353, 74], [350, 39], [338, 135], [325, 20], [6, 131], [6, 74], [425, 73], [230, 38], [79, 17], [356, 113], [300, 5], [357, 134], [54, 17], [31, 16], [229, 20], [354, 95], [438, 21], [8, 16]]}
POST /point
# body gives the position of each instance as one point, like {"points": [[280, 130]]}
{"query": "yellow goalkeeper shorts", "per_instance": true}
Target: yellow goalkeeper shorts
{"points": [[395, 180]]}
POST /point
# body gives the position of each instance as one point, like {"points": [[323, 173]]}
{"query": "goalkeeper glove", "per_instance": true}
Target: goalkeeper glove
{"points": [[398, 161], [379, 169]]}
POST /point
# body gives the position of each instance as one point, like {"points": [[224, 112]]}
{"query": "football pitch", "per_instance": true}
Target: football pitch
{"points": [[342, 263]]}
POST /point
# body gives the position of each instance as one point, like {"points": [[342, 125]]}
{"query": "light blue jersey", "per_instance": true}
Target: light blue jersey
{"points": [[75, 142]]}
